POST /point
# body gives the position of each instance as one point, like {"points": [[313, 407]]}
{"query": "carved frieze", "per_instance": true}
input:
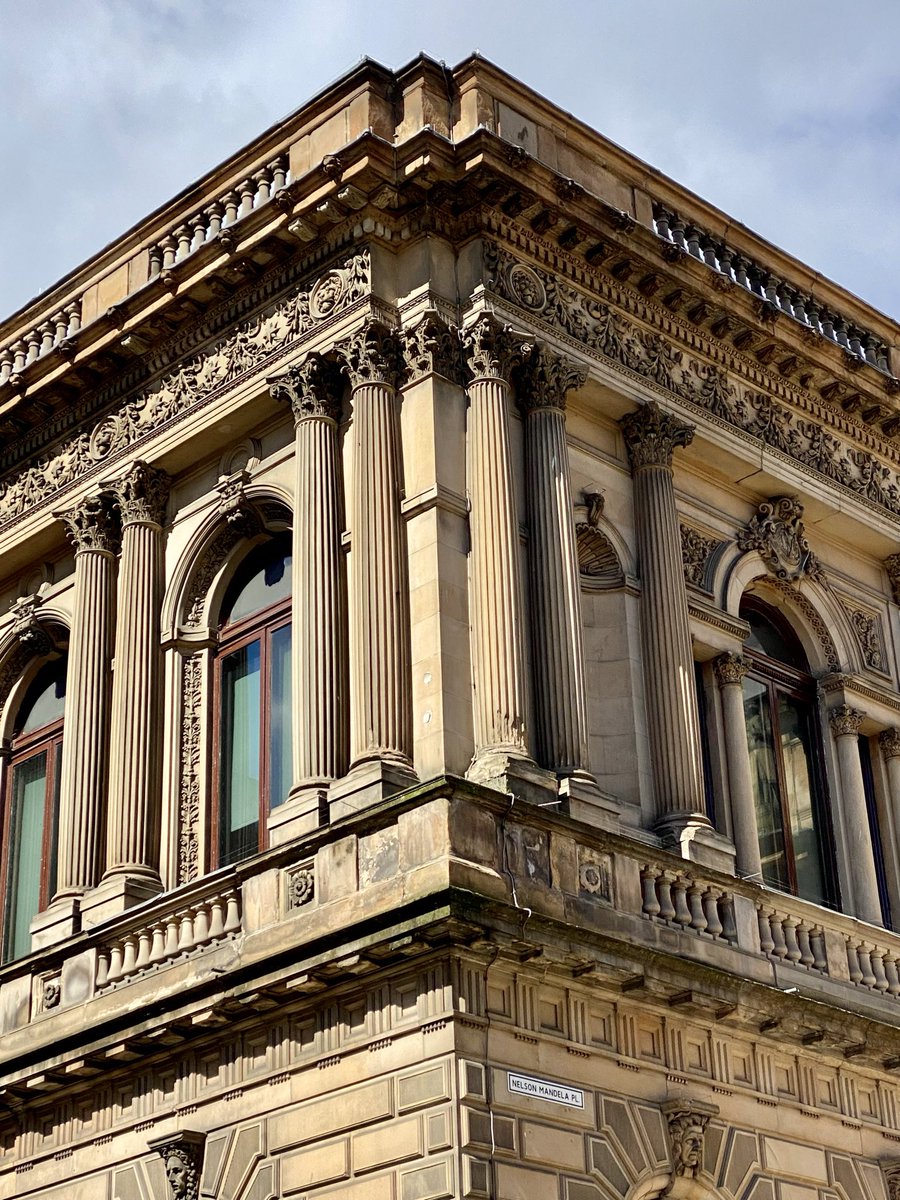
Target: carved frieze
{"points": [[868, 633], [696, 550], [777, 532], [708, 386], [189, 792], [192, 383]]}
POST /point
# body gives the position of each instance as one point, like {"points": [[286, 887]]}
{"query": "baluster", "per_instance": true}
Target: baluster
{"points": [[263, 180], [143, 954], [695, 905], [741, 267], [201, 925], [173, 928], [46, 332], [20, 353], [812, 314], [854, 342], [677, 229], [765, 932], [679, 898], [853, 963], [158, 949], [233, 914], [129, 956], [708, 248], [726, 915], [186, 936], [664, 891], [725, 256], [770, 288], [214, 216], [102, 969], [115, 963], [198, 224], [780, 945], [785, 296], [247, 191], [6, 365], [828, 325], [892, 975], [800, 308], [692, 233], [61, 327], [169, 250], [806, 955], [230, 200], [840, 332], [881, 361], [217, 918], [183, 237], [865, 963], [34, 345], [714, 925], [650, 906], [790, 939], [817, 945], [661, 219], [278, 167], [155, 259], [881, 979]]}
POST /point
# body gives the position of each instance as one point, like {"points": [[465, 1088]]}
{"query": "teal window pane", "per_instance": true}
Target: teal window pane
{"points": [[764, 776], [23, 890], [240, 761], [796, 754], [280, 717]]}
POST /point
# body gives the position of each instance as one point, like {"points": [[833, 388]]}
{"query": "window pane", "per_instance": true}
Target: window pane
{"points": [[280, 718], [239, 763], [765, 785], [265, 577], [23, 889], [45, 700], [796, 753]]}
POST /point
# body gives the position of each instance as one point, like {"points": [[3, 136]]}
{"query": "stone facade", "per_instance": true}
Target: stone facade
{"points": [[570, 471]]}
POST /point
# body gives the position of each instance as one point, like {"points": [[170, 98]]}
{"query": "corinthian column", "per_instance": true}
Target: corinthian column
{"points": [[313, 389], [380, 701], [730, 670], [651, 436], [497, 610], [557, 644], [845, 725], [133, 824]]}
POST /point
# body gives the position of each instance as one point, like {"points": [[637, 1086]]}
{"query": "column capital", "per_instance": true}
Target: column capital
{"points": [[845, 721], [312, 387], [889, 740], [371, 355], [651, 435], [730, 668], [93, 524], [141, 493], [544, 378], [432, 347], [491, 349]]}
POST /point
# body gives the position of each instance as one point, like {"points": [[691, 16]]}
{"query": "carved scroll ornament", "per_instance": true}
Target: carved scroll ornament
{"points": [[777, 532]]}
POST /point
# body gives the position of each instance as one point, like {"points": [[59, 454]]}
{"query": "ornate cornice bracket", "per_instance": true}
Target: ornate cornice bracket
{"points": [[93, 524], [182, 1155], [652, 435], [313, 388], [543, 378], [142, 493], [777, 533]]}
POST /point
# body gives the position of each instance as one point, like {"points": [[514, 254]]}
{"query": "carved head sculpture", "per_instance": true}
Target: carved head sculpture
{"points": [[687, 1127], [181, 1173]]}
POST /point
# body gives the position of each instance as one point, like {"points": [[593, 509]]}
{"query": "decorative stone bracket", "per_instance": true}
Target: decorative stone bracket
{"points": [[777, 533]]}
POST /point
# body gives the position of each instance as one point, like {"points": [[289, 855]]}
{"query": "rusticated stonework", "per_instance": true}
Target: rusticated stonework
{"points": [[198, 379], [777, 533]]}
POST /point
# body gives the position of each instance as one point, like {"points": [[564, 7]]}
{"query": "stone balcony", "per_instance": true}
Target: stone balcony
{"points": [[448, 864]]}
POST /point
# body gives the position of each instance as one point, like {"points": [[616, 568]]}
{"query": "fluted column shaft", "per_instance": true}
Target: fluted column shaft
{"points": [[557, 638], [845, 725], [313, 389], [730, 671], [498, 660], [651, 436], [133, 826], [381, 704], [93, 530]]}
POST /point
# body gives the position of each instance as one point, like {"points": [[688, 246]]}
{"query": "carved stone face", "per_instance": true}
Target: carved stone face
{"points": [[692, 1152], [177, 1174]]}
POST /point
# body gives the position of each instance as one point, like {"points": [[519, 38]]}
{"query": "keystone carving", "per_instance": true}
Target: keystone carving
{"points": [[93, 524], [651, 436], [431, 347], [892, 566], [312, 387], [141, 493], [890, 1169], [182, 1155], [687, 1121], [777, 533], [234, 506], [543, 378]]}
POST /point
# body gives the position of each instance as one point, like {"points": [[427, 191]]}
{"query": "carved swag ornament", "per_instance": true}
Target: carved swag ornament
{"points": [[777, 533]]}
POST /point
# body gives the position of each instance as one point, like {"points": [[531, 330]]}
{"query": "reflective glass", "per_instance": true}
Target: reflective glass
{"points": [[796, 754], [23, 887], [45, 700], [269, 581], [280, 717], [239, 754], [768, 639], [764, 776]]}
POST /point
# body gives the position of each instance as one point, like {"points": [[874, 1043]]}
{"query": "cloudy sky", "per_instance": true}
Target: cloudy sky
{"points": [[785, 113]]}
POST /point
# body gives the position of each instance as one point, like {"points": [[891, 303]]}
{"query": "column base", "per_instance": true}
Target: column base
{"points": [[368, 783], [515, 774], [584, 800], [305, 809], [60, 920], [692, 836], [116, 895]]}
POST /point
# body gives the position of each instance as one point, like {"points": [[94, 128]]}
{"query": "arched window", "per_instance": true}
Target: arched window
{"points": [[785, 759], [32, 806], [253, 701]]}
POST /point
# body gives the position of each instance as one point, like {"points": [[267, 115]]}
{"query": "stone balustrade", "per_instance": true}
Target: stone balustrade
{"points": [[678, 899], [783, 296], [201, 226], [872, 966], [785, 937], [50, 333], [169, 937]]}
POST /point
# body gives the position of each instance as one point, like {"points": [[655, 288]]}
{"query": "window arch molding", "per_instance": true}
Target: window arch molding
{"points": [[19, 665]]}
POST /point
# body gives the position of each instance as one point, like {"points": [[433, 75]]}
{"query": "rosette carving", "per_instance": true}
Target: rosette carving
{"points": [[651, 436], [93, 524], [141, 493], [312, 387]]}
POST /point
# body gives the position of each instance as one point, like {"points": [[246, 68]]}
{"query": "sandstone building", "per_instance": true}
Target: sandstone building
{"points": [[449, 684]]}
